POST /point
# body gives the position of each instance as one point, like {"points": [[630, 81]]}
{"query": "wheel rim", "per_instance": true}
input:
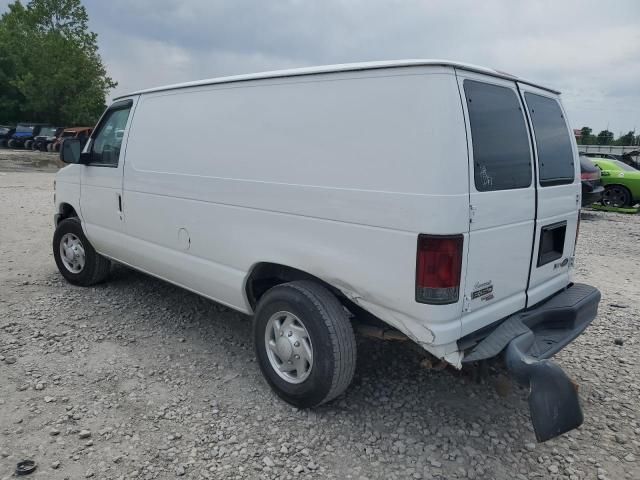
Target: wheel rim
{"points": [[289, 347], [72, 253], [615, 197]]}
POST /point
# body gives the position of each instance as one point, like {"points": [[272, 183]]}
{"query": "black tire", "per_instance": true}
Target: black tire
{"points": [[27, 144], [330, 333], [616, 196], [11, 143], [96, 267]]}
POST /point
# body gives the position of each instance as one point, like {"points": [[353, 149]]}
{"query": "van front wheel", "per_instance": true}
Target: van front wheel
{"points": [[304, 342], [76, 259]]}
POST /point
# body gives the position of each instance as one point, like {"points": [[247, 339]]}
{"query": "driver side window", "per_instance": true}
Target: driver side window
{"points": [[106, 144]]}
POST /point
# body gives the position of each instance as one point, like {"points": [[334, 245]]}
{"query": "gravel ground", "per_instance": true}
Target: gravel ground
{"points": [[139, 379], [28, 160]]}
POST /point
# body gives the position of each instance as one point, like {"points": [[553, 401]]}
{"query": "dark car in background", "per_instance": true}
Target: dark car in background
{"points": [[24, 135], [5, 134], [46, 137], [592, 188]]}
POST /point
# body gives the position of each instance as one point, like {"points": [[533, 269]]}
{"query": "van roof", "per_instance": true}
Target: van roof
{"points": [[346, 67]]}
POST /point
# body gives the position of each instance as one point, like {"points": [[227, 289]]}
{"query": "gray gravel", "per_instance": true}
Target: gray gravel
{"points": [[28, 160], [138, 379]]}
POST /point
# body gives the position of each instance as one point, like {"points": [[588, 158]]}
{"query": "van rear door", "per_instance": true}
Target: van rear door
{"points": [[558, 191], [502, 199]]}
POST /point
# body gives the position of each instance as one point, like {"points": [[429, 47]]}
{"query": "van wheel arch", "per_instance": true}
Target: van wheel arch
{"points": [[266, 275], [66, 210]]}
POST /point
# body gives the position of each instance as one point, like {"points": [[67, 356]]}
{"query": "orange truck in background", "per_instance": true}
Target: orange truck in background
{"points": [[81, 133]]}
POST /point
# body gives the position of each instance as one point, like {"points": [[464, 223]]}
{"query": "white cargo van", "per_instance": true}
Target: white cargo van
{"points": [[440, 198]]}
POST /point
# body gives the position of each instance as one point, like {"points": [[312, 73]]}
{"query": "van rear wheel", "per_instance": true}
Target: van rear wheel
{"points": [[304, 343], [76, 259]]}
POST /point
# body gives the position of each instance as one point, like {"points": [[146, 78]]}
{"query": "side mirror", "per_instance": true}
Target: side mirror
{"points": [[605, 173], [71, 150]]}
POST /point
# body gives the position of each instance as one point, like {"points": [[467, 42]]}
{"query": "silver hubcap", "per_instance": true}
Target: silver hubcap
{"points": [[289, 347], [72, 253]]}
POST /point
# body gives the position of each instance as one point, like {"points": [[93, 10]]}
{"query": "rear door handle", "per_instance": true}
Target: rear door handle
{"points": [[120, 212]]}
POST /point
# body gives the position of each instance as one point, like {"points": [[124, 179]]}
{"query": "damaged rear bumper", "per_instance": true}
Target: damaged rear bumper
{"points": [[528, 339]]}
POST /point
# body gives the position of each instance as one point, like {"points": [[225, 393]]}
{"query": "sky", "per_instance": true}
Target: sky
{"points": [[589, 50]]}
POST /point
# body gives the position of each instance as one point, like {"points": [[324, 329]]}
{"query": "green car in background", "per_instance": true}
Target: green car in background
{"points": [[621, 182]]}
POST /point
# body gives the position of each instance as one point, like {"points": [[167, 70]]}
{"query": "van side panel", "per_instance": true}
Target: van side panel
{"points": [[333, 174]]}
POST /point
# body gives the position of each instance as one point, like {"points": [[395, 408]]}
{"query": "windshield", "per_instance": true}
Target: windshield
{"points": [[623, 166], [24, 129], [48, 131]]}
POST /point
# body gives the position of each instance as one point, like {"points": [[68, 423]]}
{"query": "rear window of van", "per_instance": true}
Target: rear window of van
{"points": [[501, 155], [553, 143]]}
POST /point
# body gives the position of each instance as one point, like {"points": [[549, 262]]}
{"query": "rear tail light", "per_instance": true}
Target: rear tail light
{"points": [[590, 176], [438, 267]]}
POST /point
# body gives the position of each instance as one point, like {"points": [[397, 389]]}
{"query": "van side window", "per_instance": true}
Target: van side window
{"points": [[106, 144], [501, 155], [555, 156]]}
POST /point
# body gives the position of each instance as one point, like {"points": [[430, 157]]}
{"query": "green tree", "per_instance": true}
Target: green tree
{"points": [[50, 63], [586, 136], [626, 139], [11, 24], [605, 137]]}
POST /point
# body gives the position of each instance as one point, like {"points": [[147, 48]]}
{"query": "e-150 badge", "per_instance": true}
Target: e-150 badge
{"points": [[482, 290]]}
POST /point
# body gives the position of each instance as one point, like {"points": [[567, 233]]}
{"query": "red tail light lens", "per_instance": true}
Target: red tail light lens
{"points": [[590, 176], [439, 263]]}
